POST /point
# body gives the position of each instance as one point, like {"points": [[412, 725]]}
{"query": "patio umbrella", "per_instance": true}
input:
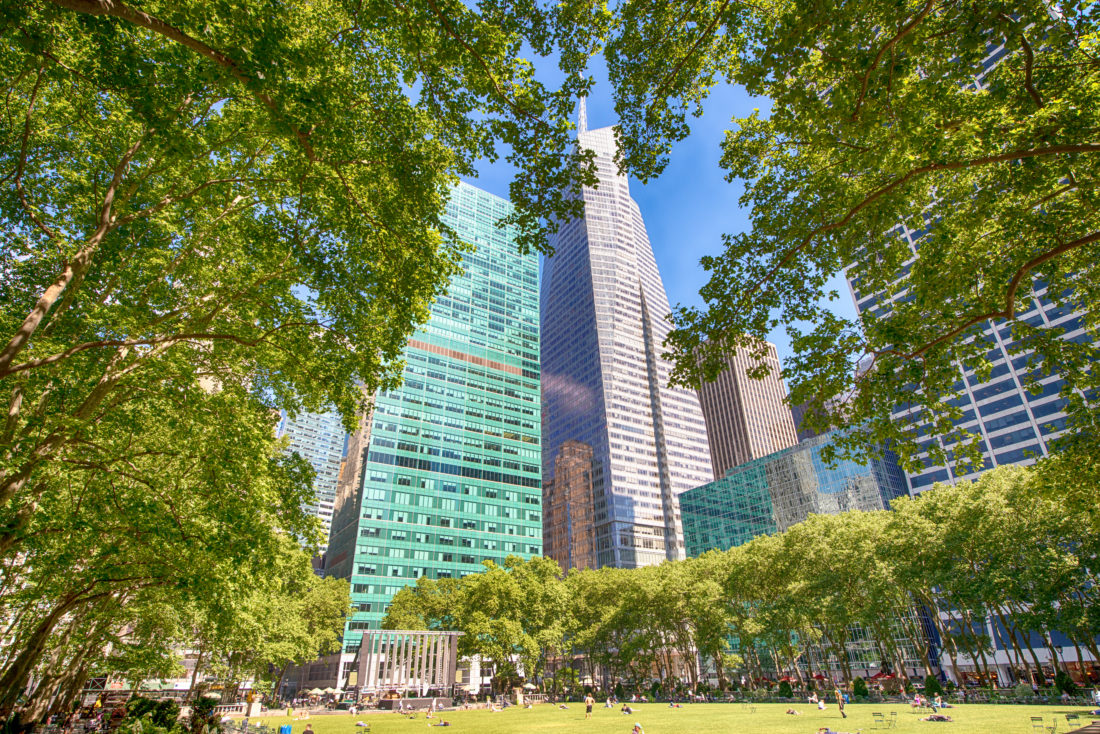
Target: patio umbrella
{"points": [[530, 686], [818, 676], [786, 679], [330, 690], [316, 692]]}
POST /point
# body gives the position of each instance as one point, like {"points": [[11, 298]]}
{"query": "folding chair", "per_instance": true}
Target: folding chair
{"points": [[877, 720], [893, 720], [1073, 720], [1037, 723]]}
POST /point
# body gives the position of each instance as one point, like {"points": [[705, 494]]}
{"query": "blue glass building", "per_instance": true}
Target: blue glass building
{"points": [[770, 494]]}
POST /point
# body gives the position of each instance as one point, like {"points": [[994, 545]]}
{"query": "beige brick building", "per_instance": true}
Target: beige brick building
{"points": [[746, 418]]}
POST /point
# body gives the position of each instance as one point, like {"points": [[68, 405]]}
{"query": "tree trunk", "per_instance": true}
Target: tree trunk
{"points": [[1018, 652], [16, 676], [195, 674]]}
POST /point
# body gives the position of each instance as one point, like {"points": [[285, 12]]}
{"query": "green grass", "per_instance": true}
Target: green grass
{"points": [[695, 718]]}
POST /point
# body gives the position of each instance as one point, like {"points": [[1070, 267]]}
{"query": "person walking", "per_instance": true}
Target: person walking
{"points": [[840, 702], [588, 703]]}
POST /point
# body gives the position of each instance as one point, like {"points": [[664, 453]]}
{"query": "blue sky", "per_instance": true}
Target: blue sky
{"points": [[688, 208]]}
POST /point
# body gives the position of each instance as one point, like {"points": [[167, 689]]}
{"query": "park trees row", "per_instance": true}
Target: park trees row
{"points": [[799, 602], [192, 547]]}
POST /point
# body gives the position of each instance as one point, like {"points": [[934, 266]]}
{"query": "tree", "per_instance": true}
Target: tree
{"points": [[123, 561], [511, 616], [972, 124], [288, 617], [210, 213], [247, 195]]}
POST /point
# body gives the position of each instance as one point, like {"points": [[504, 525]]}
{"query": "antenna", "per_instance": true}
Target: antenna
{"points": [[582, 116]]}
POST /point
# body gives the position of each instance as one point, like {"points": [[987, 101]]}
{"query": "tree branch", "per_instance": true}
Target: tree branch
{"points": [[663, 86], [905, 31], [117, 9], [73, 271], [453, 33], [21, 166], [1009, 310], [1029, 64], [930, 168]]}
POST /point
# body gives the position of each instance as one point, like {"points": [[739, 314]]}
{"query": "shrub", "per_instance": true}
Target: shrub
{"points": [[166, 712], [859, 687], [138, 706], [1023, 690], [785, 690], [203, 718], [932, 686], [1063, 682], [619, 690]]}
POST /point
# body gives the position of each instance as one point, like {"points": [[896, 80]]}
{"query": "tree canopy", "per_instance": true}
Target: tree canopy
{"points": [[211, 212], [972, 128]]}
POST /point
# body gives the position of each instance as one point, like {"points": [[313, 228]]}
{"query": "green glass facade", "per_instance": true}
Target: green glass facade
{"points": [[769, 494], [448, 475]]}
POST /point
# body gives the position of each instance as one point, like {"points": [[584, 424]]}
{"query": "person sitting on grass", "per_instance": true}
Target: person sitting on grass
{"points": [[626, 710], [936, 717], [792, 712], [675, 705], [563, 707], [441, 723], [637, 728]]}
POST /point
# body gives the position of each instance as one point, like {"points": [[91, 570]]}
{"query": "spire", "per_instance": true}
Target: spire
{"points": [[582, 116]]}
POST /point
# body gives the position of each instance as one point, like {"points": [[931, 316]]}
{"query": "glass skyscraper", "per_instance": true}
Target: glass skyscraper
{"points": [[319, 439], [446, 473], [770, 494], [605, 385]]}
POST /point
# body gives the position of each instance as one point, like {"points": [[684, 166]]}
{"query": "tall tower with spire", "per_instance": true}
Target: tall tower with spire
{"points": [[605, 385]]}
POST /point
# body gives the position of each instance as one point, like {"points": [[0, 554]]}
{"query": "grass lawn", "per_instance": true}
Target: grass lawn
{"points": [[725, 718]]}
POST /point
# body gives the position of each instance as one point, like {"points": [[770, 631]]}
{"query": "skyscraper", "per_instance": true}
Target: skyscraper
{"points": [[319, 439], [604, 383], [446, 474], [746, 418], [568, 532], [1016, 426]]}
